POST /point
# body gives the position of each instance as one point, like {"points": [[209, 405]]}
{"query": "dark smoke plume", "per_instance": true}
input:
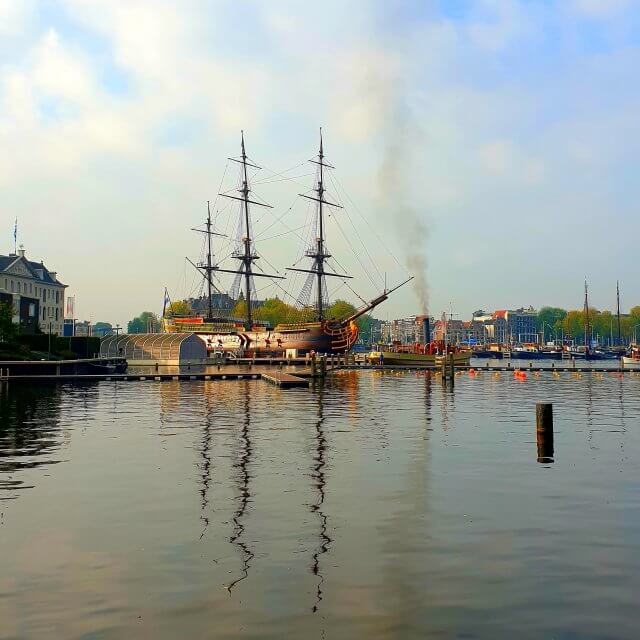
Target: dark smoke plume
{"points": [[395, 174]]}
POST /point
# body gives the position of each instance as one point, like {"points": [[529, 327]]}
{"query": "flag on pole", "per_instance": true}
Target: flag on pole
{"points": [[167, 301], [15, 236]]}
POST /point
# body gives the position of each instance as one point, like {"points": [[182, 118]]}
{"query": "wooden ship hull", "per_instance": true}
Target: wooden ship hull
{"points": [[320, 337]]}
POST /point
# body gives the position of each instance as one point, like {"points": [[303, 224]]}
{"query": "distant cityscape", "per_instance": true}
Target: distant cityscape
{"points": [[37, 299], [502, 327]]}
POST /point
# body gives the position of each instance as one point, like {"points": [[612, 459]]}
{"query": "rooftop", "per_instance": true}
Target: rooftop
{"points": [[36, 270]]}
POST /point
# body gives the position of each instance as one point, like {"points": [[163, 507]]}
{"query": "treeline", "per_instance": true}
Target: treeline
{"points": [[272, 311], [557, 322]]}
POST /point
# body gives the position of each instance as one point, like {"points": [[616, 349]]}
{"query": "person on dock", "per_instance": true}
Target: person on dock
{"points": [[381, 359]]}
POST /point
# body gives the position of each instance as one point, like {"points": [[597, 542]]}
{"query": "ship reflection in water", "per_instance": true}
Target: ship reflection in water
{"points": [[378, 504], [320, 482]]}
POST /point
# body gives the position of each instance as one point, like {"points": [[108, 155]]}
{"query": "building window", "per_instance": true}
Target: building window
{"points": [[32, 310], [12, 289], [56, 314], [57, 297]]}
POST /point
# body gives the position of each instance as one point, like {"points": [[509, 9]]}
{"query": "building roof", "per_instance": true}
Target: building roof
{"points": [[34, 268]]}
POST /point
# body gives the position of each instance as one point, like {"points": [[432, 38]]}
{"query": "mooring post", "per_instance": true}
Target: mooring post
{"points": [[323, 366], [544, 431], [313, 365], [621, 362]]}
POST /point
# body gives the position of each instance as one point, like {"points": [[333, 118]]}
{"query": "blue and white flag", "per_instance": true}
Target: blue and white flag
{"points": [[15, 232]]}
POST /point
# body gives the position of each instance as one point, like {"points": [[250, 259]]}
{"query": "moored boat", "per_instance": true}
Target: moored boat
{"points": [[632, 361], [432, 354], [532, 352]]}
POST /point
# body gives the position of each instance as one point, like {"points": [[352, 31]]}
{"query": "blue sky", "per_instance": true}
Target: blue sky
{"points": [[492, 143]]}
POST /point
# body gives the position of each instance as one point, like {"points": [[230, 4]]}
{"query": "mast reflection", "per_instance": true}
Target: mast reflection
{"points": [[205, 466], [320, 482], [243, 488]]}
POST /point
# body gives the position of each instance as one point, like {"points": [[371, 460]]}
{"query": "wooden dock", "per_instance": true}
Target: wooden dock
{"points": [[285, 380], [278, 378], [479, 368]]}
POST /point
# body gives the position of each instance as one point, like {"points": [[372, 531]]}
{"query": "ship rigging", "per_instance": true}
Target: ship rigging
{"points": [[318, 332]]}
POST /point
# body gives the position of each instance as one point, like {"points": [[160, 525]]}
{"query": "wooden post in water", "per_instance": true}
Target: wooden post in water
{"points": [[313, 365], [323, 366], [544, 431]]}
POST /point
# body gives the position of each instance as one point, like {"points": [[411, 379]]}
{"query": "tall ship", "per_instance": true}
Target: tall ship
{"points": [[241, 333]]}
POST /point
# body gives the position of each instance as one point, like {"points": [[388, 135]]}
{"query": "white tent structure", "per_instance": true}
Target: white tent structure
{"points": [[155, 348]]}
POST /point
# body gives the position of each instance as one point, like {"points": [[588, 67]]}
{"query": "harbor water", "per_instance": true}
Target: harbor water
{"points": [[380, 504]]}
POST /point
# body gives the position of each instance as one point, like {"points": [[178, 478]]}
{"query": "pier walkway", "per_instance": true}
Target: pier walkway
{"points": [[274, 376]]}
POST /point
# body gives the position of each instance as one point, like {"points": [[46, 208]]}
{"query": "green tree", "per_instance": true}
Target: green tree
{"points": [[146, 322], [275, 312], [550, 320], [178, 308], [340, 309], [7, 328], [102, 329]]}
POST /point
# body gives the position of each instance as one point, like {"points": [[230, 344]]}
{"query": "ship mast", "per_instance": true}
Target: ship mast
{"points": [[586, 319], [618, 314], [208, 267], [246, 254], [248, 258], [320, 255], [319, 252]]}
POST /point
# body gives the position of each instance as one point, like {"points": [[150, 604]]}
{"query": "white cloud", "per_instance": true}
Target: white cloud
{"points": [[15, 15], [497, 156], [601, 8], [483, 126]]}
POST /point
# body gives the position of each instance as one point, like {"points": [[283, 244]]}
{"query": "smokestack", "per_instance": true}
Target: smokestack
{"points": [[427, 329]]}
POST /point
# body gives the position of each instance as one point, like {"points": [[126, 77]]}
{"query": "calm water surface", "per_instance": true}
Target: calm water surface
{"points": [[380, 505]]}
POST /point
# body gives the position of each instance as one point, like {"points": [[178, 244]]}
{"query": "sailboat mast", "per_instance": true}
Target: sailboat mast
{"points": [[209, 265], [248, 258], [618, 314], [320, 240], [586, 318]]}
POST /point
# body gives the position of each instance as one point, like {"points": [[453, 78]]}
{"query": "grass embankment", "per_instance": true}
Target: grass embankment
{"points": [[36, 347]]}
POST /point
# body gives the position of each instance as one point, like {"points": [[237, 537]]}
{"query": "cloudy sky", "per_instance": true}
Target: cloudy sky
{"points": [[492, 143]]}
